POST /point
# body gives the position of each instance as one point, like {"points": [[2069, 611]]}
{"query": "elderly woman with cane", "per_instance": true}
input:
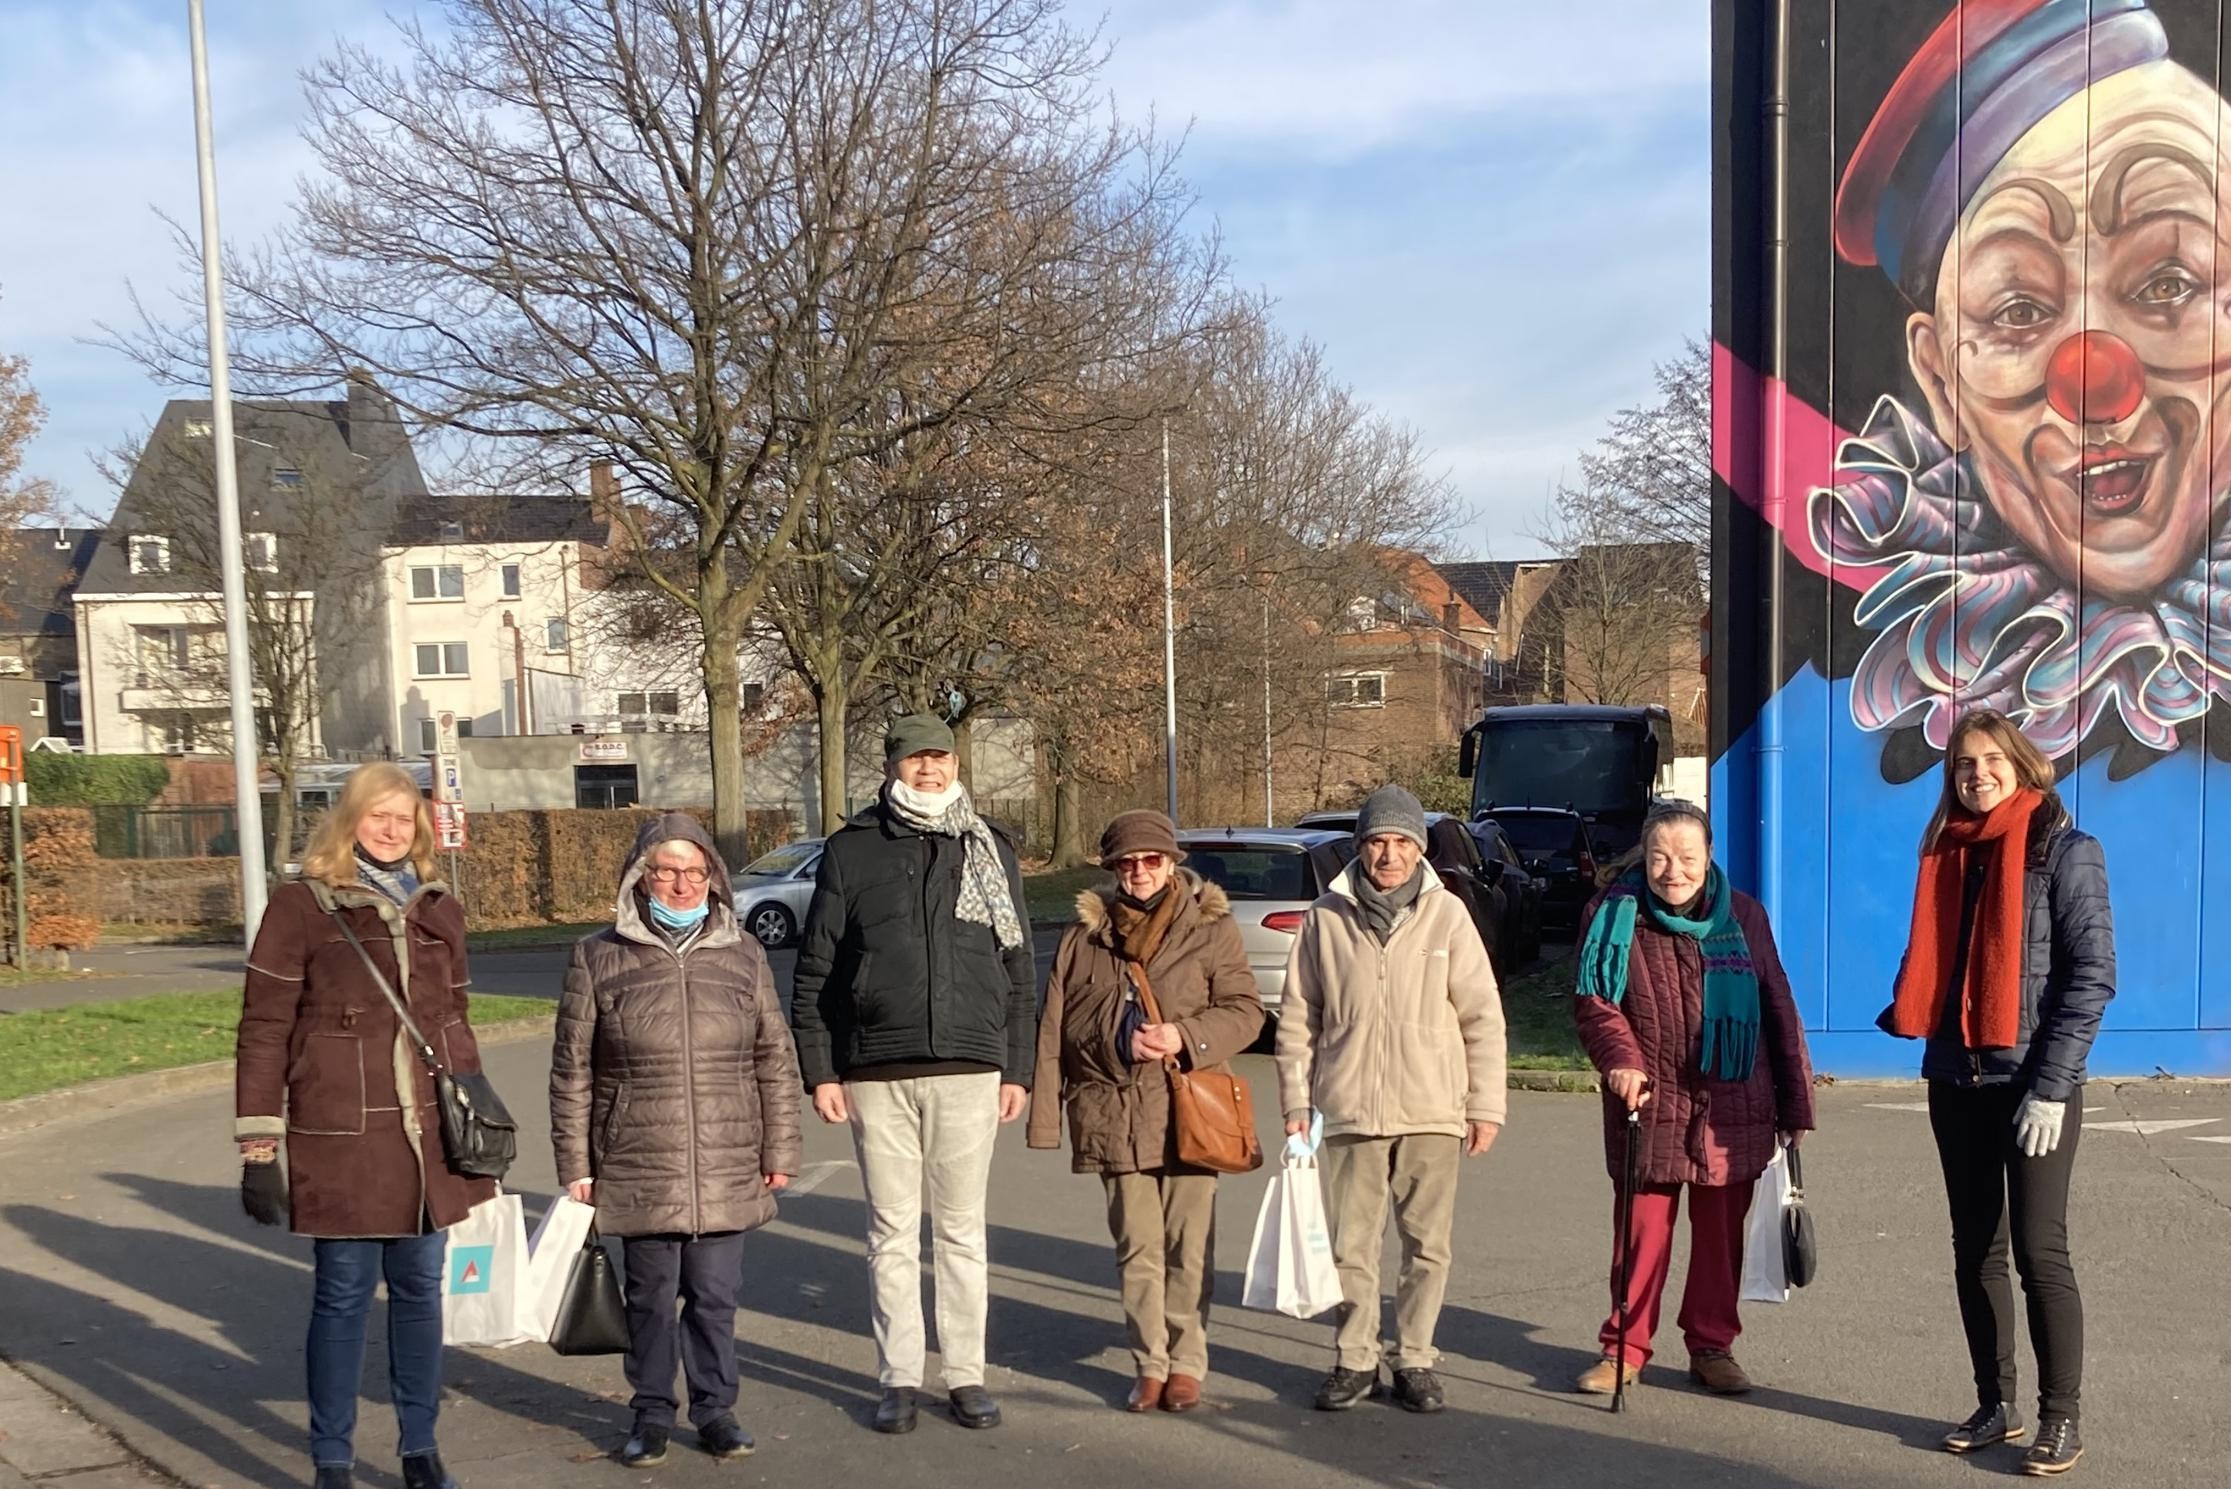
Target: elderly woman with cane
{"points": [[1684, 1008]]}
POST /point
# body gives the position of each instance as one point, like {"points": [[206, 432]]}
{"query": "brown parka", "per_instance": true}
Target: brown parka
{"points": [[673, 1081], [321, 1056], [1119, 1113]]}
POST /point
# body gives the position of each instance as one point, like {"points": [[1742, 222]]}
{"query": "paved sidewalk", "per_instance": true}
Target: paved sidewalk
{"points": [[47, 1443], [131, 1284]]}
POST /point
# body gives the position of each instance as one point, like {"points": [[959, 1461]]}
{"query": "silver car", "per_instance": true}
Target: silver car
{"points": [[774, 889], [1272, 876]]}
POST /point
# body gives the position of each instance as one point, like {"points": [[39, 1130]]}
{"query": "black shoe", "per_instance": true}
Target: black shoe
{"points": [[1990, 1424], [2056, 1450], [335, 1478], [425, 1471], [1344, 1388], [895, 1412], [646, 1448], [973, 1407], [722, 1438], [1418, 1390]]}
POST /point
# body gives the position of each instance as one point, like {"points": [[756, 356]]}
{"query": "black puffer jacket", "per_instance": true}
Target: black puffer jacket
{"points": [[2068, 969], [888, 972]]}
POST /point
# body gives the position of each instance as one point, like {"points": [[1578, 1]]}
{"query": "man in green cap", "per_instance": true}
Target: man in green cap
{"points": [[916, 1016]]}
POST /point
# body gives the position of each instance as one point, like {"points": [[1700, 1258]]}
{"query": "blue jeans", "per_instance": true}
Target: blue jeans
{"points": [[347, 1273]]}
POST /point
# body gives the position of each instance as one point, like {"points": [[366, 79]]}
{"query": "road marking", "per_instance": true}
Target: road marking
{"points": [[1898, 1106], [2147, 1127], [814, 1175]]}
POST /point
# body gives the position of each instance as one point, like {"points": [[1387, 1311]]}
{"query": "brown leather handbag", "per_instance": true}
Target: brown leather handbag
{"points": [[1212, 1111]]}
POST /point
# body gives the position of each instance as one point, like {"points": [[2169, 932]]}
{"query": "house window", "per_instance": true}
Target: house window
{"points": [[554, 634], [668, 704], [632, 703], [38, 708], [197, 429], [150, 555], [162, 650], [511, 581], [285, 478], [438, 582], [1358, 690], [428, 735], [605, 786], [441, 659], [262, 551], [179, 734], [755, 699]]}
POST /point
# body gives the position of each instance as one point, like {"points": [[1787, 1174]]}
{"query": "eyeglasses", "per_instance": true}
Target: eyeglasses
{"points": [[664, 875], [1141, 863]]}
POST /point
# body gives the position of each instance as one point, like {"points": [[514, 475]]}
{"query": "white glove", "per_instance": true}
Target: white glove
{"points": [[2037, 1126]]}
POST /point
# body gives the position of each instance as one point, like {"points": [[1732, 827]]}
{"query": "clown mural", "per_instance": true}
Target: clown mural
{"points": [[2045, 511]]}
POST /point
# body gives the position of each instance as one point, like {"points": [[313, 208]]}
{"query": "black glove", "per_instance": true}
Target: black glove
{"points": [[263, 1191]]}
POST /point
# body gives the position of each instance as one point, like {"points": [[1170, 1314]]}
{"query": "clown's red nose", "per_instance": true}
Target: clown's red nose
{"points": [[2094, 378]]}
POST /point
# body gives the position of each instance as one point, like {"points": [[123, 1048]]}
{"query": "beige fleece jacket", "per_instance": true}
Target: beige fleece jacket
{"points": [[1395, 1039]]}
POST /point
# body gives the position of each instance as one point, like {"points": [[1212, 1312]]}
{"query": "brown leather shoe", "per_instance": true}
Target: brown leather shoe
{"points": [[1718, 1373], [1146, 1394], [1183, 1393], [1599, 1379]]}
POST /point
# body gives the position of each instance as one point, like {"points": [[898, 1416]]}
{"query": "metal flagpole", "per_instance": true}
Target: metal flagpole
{"points": [[1169, 635], [239, 674]]}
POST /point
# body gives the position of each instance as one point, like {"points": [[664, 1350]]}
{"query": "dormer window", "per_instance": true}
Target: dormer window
{"points": [[261, 551], [451, 531], [197, 429], [286, 478], [150, 555]]}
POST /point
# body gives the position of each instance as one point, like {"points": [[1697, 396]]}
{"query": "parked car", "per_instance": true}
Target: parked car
{"points": [[1506, 866], [1498, 908], [774, 889], [1272, 876], [1555, 847]]}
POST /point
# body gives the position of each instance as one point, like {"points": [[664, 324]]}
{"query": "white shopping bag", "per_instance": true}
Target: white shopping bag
{"points": [[550, 1252], [1765, 1277], [1289, 1265], [484, 1278]]}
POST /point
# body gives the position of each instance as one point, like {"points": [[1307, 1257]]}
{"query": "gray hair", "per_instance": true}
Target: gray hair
{"points": [[1667, 811]]}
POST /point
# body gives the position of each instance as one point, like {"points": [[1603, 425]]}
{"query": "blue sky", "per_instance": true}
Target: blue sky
{"points": [[1493, 215]]}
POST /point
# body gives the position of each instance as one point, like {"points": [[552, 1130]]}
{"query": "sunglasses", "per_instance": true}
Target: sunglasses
{"points": [[1140, 863]]}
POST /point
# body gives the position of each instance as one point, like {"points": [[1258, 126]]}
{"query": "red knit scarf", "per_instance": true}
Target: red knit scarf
{"points": [[1991, 995]]}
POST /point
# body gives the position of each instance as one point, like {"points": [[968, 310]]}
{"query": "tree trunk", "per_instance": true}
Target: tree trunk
{"points": [[723, 691], [831, 699], [282, 820], [1069, 832], [964, 750]]}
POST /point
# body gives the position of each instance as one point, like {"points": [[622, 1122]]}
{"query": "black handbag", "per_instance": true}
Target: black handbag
{"points": [[1800, 1248], [592, 1317], [478, 1136]]}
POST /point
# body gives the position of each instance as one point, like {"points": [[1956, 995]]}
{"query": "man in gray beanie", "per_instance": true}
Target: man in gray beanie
{"points": [[1386, 981], [916, 1012]]}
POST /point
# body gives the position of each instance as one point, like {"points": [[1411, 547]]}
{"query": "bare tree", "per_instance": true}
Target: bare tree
{"points": [[22, 499], [1652, 468], [1620, 622]]}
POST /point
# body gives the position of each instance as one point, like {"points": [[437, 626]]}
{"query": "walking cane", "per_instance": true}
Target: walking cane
{"points": [[1626, 1260]]}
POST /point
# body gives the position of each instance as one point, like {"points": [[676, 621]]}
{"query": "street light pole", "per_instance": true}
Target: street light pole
{"points": [[239, 673], [1169, 636]]}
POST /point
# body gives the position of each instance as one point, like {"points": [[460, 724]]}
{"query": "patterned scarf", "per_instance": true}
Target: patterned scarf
{"points": [[1730, 1043], [398, 881], [985, 898]]}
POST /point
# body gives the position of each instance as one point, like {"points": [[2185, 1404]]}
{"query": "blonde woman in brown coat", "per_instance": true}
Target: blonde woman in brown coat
{"points": [[1101, 1057]]}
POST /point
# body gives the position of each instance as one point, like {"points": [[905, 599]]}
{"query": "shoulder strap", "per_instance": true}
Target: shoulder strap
{"points": [[1137, 972], [425, 1050]]}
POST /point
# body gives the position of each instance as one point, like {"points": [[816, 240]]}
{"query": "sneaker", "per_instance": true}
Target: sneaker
{"points": [[1344, 1388], [1717, 1372], [973, 1406], [895, 1412], [2056, 1450], [723, 1438], [1602, 1379], [1991, 1424], [646, 1448], [1418, 1390]]}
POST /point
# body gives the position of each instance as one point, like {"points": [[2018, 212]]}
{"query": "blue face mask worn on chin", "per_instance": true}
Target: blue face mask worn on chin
{"points": [[672, 919]]}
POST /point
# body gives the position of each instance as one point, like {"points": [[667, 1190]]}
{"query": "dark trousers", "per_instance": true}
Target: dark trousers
{"points": [[707, 1274], [347, 1273], [1998, 1195]]}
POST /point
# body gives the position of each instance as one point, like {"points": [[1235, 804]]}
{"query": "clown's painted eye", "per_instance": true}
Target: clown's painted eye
{"points": [[2020, 314], [2167, 288]]}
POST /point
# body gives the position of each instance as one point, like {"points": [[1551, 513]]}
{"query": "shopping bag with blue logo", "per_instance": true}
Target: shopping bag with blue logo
{"points": [[484, 1277], [1289, 1266]]}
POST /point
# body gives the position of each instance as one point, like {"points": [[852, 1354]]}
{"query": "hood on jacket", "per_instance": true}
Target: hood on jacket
{"points": [[1093, 905], [668, 827]]}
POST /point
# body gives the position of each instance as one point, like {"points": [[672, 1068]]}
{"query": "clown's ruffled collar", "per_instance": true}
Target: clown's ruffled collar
{"points": [[1970, 617]]}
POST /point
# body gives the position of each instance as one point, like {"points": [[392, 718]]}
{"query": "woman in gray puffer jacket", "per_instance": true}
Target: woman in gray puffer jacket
{"points": [[674, 1096]]}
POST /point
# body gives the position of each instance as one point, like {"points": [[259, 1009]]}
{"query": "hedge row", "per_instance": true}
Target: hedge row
{"points": [[60, 869], [58, 780], [542, 868]]}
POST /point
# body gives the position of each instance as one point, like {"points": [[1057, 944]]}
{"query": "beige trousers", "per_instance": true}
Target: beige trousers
{"points": [[1361, 1175], [1165, 1235]]}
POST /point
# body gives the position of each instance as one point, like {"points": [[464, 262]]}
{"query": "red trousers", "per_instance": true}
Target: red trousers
{"points": [[1708, 1300]]}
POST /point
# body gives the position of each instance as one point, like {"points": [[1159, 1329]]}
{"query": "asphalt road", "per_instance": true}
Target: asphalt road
{"points": [[130, 1282]]}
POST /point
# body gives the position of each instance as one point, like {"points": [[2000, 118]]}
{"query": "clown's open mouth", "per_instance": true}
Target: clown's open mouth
{"points": [[2113, 480]]}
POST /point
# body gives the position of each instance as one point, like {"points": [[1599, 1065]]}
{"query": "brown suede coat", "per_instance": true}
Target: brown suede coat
{"points": [[321, 1058], [1119, 1113]]}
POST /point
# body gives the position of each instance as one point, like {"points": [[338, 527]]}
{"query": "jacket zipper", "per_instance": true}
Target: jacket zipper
{"points": [[689, 1087], [929, 968]]}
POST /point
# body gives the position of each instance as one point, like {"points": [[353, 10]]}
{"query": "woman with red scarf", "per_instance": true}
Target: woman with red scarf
{"points": [[2009, 966]]}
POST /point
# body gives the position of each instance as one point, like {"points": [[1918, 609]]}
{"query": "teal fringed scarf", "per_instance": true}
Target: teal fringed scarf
{"points": [[1730, 1045]]}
